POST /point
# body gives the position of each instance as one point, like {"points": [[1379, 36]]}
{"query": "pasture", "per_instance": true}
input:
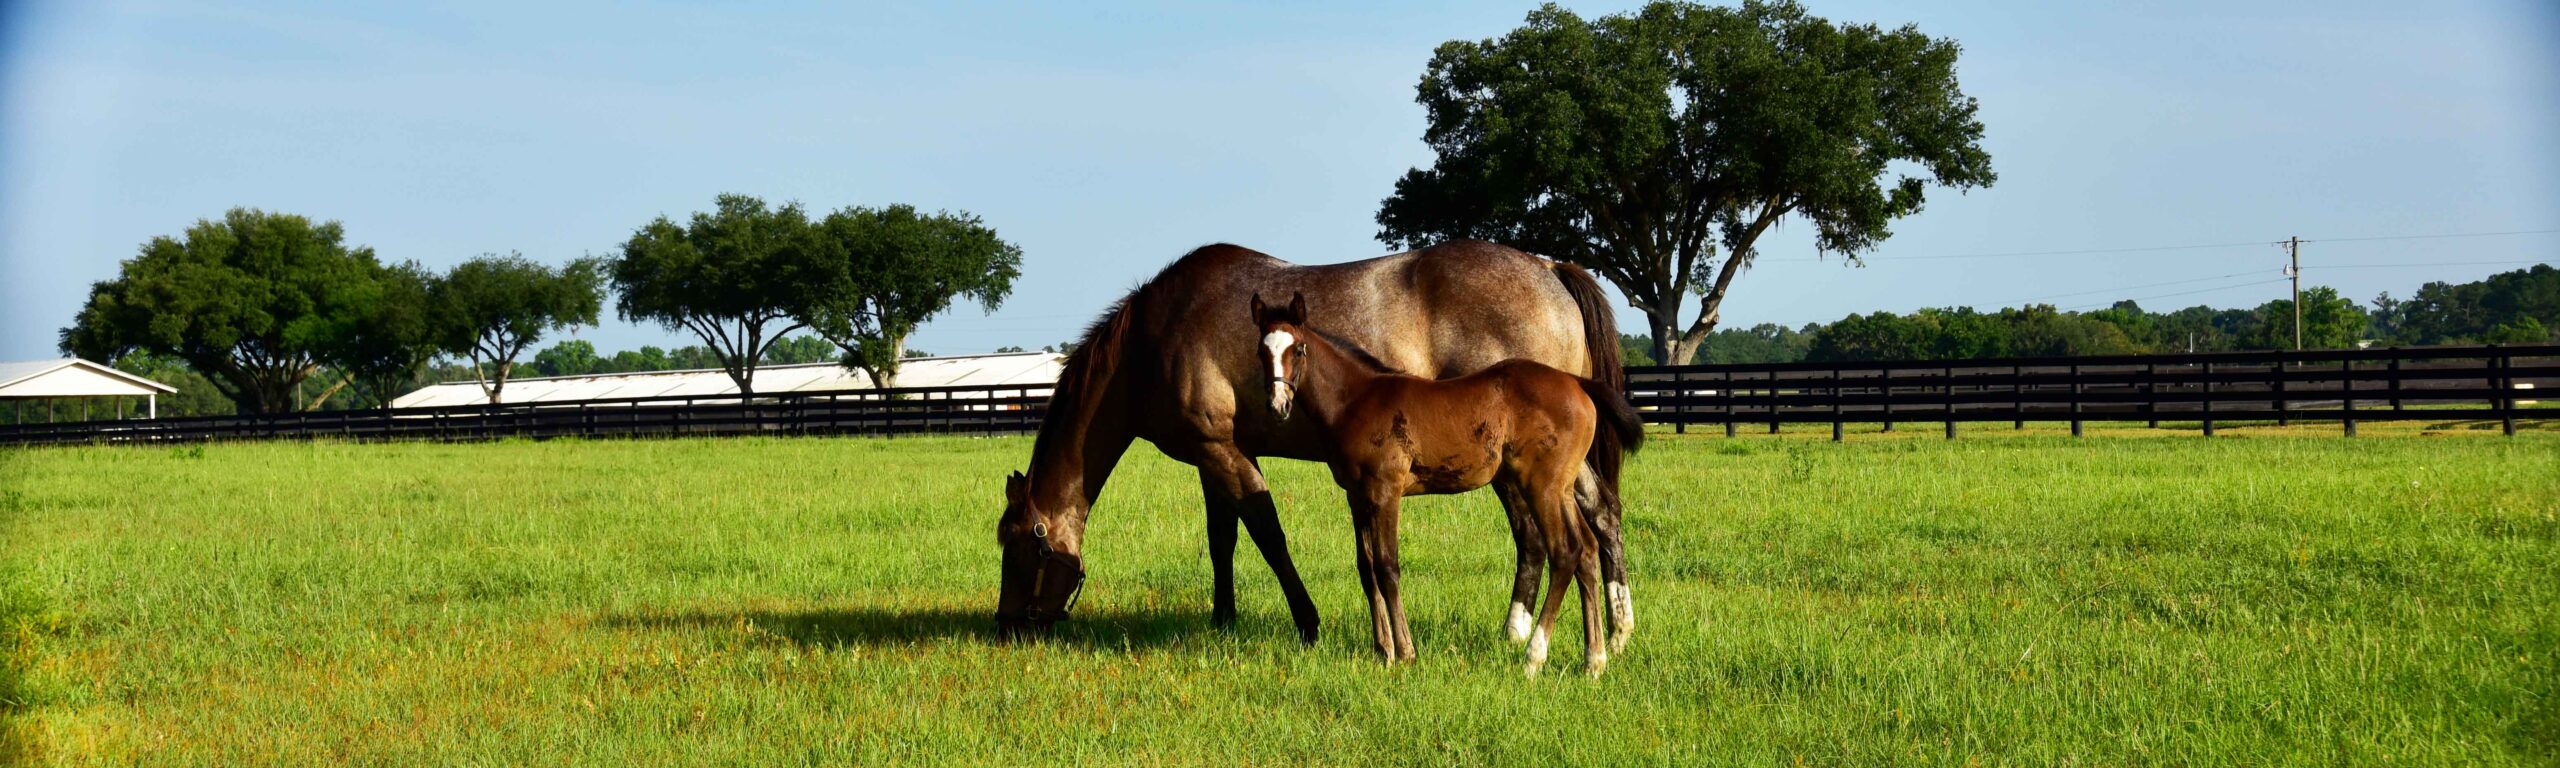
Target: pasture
{"points": [[2264, 597]]}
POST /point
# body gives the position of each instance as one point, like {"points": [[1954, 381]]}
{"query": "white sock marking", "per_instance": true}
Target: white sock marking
{"points": [[1622, 608], [1518, 627]]}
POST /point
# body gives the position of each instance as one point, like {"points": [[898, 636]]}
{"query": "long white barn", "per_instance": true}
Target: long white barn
{"points": [[1033, 368]]}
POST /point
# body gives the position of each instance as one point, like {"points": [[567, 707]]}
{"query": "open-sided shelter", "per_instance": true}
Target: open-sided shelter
{"points": [[50, 381]]}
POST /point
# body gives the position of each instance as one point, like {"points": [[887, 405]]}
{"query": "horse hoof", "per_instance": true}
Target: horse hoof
{"points": [[1593, 665]]}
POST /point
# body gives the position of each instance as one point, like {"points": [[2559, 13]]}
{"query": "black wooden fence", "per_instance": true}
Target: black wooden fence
{"points": [[2345, 386], [906, 410]]}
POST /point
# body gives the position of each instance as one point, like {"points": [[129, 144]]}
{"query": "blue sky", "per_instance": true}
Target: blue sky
{"points": [[1107, 140]]}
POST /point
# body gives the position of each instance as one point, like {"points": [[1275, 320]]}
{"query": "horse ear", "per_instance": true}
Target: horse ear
{"points": [[1298, 308], [1258, 310], [1016, 487]]}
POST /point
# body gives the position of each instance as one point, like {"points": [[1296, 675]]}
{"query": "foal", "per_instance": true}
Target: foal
{"points": [[1519, 426]]}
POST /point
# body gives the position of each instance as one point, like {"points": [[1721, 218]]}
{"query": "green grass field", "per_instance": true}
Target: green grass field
{"points": [[2259, 598]]}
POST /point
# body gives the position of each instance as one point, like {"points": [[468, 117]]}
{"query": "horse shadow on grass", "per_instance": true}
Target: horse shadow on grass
{"points": [[836, 628]]}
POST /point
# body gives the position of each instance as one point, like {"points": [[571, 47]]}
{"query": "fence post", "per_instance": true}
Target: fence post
{"points": [[1727, 394], [2284, 406], [1836, 376], [2506, 389], [2208, 398], [1887, 391], [2151, 393], [2395, 378], [1949, 380], [2075, 399], [2017, 397], [1773, 402], [2347, 393], [1679, 401]]}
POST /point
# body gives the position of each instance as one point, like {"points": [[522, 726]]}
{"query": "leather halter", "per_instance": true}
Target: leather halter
{"points": [[1066, 567]]}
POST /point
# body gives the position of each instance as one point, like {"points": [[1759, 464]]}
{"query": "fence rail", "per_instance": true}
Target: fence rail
{"points": [[2345, 386], [908, 410]]}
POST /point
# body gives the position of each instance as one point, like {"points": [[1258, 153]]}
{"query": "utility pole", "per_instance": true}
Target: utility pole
{"points": [[2293, 247]]}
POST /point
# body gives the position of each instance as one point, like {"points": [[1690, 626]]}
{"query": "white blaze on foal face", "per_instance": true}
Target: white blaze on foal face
{"points": [[1275, 353]]}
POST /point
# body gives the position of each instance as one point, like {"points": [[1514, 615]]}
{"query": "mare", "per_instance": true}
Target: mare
{"points": [[1168, 364], [1519, 426]]}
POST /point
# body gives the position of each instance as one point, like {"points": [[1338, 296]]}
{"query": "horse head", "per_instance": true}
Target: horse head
{"points": [[1284, 349], [1043, 568]]}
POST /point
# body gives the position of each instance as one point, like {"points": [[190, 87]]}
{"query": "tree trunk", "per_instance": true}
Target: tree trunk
{"points": [[1664, 320], [323, 399], [887, 376]]}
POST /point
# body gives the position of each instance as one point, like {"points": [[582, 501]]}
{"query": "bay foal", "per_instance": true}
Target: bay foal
{"points": [[1519, 426]]}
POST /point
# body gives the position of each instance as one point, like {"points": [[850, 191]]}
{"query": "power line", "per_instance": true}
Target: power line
{"points": [[2082, 252], [2193, 247], [2433, 237], [2179, 293], [2124, 288], [2425, 264]]}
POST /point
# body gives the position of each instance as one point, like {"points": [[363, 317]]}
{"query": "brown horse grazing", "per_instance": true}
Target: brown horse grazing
{"points": [[1522, 427], [1160, 365]]}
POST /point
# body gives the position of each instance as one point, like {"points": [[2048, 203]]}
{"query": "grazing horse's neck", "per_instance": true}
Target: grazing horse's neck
{"points": [[1075, 452], [1081, 439]]}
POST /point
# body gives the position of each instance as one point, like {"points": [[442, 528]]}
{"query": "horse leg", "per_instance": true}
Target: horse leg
{"points": [[1222, 546], [1528, 555], [1365, 544], [1236, 474], [1385, 508], [1601, 508], [1595, 647], [1553, 525]]}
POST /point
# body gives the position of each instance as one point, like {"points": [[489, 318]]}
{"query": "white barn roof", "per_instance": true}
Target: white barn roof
{"points": [[1033, 368], [72, 377]]}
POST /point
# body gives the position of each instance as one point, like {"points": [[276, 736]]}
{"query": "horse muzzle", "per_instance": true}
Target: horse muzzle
{"points": [[1041, 587], [1283, 394]]}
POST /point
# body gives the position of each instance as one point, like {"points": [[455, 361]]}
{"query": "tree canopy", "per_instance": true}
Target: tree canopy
{"points": [[2507, 307], [731, 276], [389, 351], [256, 301], [1644, 145], [881, 272], [491, 308]]}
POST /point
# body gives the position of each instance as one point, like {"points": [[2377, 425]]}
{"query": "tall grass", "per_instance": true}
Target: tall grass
{"points": [[2034, 601]]}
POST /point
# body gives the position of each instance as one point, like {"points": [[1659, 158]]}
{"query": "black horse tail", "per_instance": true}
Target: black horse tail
{"points": [[1608, 372], [1620, 432], [1599, 325]]}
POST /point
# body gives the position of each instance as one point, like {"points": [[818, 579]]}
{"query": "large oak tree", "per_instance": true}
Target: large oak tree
{"points": [[258, 302], [884, 271], [1655, 148], [492, 308], [730, 275]]}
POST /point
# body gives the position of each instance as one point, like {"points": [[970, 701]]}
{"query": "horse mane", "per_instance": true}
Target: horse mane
{"points": [[1354, 351], [1088, 367]]}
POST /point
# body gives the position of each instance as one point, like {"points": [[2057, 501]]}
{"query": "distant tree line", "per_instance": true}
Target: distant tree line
{"points": [[2518, 307], [271, 312], [578, 357]]}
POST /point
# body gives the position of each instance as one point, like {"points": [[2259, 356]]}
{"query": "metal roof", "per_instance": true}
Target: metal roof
{"points": [[72, 377], [1036, 368]]}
